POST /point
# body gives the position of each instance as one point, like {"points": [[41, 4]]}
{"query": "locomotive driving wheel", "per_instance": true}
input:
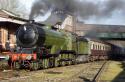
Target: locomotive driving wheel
{"points": [[16, 65], [70, 57], [56, 63], [45, 63], [73, 62], [34, 65]]}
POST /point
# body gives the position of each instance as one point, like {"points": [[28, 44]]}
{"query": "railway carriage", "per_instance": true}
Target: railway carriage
{"points": [[118, 52], [93, 49], [99, 50]]}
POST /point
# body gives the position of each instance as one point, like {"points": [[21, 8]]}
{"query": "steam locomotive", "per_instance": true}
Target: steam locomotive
{"points": [[40, 46]]}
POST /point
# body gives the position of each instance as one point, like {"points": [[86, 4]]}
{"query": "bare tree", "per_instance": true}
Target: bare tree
{"points": [[12, 6]]}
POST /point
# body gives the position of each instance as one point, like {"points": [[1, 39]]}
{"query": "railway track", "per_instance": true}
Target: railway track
{"points": [[98, 75], [91, 73], [74, 73], [114, 72]]}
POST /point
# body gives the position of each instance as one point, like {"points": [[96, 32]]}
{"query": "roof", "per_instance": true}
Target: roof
{"points": [[6, 12], [81, 38], [99, 28], [87, 39], [6, 16]]}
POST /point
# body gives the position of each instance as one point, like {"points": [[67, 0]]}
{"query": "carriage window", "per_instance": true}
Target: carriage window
{"points": [[109, 48], [93, 46], [103, 47], [96, 47]]}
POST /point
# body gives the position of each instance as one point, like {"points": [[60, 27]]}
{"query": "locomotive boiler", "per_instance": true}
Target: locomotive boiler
{"points": [[31, 35]]}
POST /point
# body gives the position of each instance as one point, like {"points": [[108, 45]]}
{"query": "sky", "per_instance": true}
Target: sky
{"points": [[117, 18], [27, 4]]}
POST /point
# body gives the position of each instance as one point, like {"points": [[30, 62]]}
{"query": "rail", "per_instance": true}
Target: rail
{"points": [[97, 76]]}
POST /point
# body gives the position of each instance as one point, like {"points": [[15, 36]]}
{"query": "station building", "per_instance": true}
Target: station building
{"points": [[8, 27]]}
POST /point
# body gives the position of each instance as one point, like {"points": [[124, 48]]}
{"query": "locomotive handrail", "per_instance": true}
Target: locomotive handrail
{"points": [[25, 20]]}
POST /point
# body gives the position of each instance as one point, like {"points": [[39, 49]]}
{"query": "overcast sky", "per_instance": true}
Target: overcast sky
{"points": [[117, 18]]}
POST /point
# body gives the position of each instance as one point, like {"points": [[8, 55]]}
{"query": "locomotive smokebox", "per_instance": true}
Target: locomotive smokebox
{"points": [[27, 35]]}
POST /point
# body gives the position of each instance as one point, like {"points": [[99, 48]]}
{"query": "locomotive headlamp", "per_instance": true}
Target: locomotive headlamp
{"points": [[24, 28]]}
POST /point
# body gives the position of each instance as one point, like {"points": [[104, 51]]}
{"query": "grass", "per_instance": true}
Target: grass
{"points": [[3, 65], [113, 71]]}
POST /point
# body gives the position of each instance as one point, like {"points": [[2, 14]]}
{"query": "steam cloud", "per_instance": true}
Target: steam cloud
{"points": [[83, 9]]}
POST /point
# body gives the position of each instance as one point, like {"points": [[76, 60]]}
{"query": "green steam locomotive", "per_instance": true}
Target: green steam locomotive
{"points": [[41, 46]]}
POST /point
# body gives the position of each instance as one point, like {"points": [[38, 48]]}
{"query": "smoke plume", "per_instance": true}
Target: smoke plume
{"points": [[83, 9], [108, 7]]}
